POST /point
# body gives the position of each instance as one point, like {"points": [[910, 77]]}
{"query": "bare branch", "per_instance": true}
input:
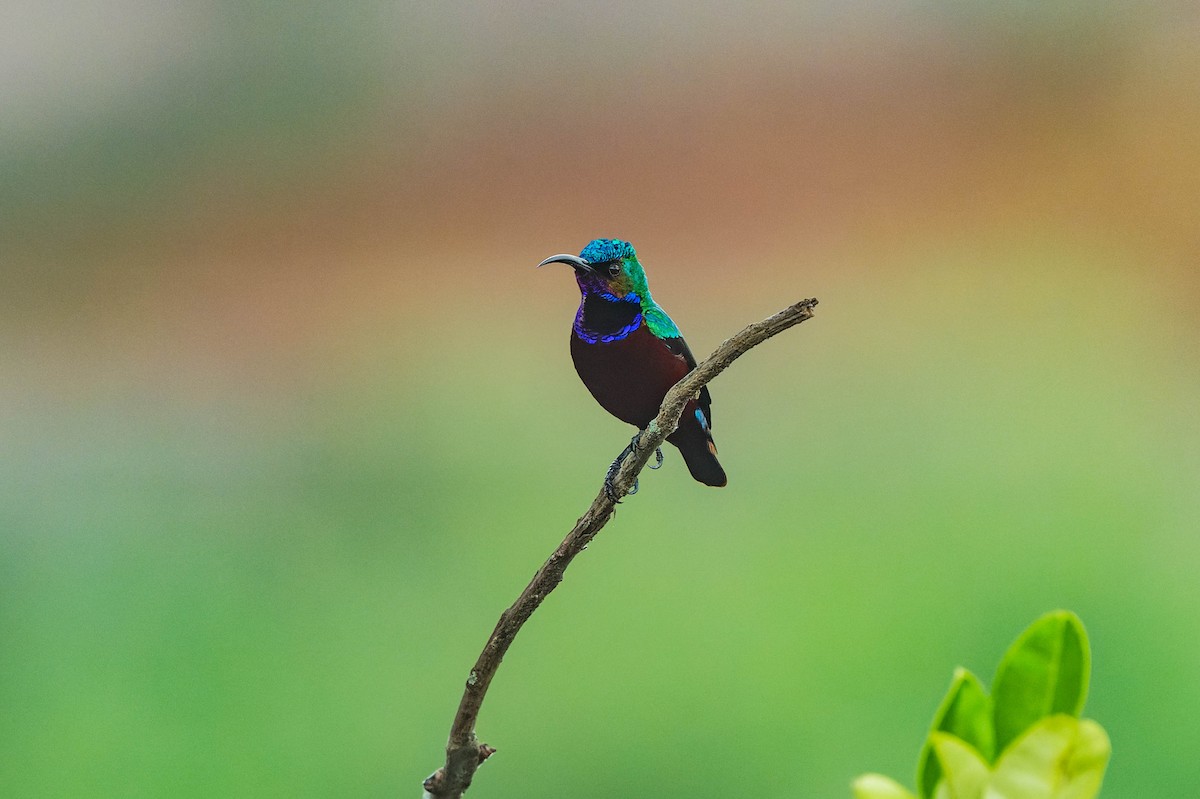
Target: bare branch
{"points": [[464, 752]]}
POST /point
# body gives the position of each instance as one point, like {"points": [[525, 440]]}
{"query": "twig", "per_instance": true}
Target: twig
{"points": [[464, 752]]}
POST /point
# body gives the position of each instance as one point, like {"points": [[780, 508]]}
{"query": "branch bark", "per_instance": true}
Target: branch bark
{"points": [[464, 752]]}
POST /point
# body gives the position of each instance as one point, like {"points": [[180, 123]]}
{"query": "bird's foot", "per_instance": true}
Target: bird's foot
{"points": [[658, 459], [610, 489]]}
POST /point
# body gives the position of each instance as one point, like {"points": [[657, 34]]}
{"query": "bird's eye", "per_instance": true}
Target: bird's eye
{"points": [[614, 269]]}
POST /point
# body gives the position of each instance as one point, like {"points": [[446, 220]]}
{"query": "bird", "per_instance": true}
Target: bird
{"points": [[629, 353]]}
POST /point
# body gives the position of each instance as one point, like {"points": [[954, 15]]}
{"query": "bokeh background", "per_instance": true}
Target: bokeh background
{"points": [[287, 417]]}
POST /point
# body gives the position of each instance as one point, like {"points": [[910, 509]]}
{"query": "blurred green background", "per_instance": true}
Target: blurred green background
{"points": [[288, 418]]}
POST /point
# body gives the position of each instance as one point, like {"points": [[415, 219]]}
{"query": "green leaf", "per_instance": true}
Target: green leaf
{"points": [[965, 773], [877, 786], [1044, 672], [965, 712], [1060, 757]]}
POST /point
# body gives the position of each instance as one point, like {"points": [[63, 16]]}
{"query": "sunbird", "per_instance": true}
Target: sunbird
{"points": [[629, 354]]}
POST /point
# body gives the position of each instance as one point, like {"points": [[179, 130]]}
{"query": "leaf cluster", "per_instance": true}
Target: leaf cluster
{"points": [[1026, 739]]}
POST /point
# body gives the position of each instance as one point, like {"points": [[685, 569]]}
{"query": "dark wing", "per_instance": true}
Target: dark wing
{"points": [[679, 347]]}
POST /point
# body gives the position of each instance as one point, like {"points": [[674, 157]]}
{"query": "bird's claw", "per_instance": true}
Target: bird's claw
{"points": [[658, 459], [610, 488]]}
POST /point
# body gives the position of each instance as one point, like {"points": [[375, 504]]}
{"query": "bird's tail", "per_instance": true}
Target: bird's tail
{"points": [[700, 455]]}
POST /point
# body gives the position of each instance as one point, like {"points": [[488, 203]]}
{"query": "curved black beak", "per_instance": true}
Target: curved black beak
{"points": [[574, 261]]}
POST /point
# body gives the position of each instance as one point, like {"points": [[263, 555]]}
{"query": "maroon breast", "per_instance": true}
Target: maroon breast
{"points": [[630, 377]]}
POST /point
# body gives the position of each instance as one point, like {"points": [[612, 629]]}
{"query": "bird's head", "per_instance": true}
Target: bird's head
{"points": [[606, 266]]}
